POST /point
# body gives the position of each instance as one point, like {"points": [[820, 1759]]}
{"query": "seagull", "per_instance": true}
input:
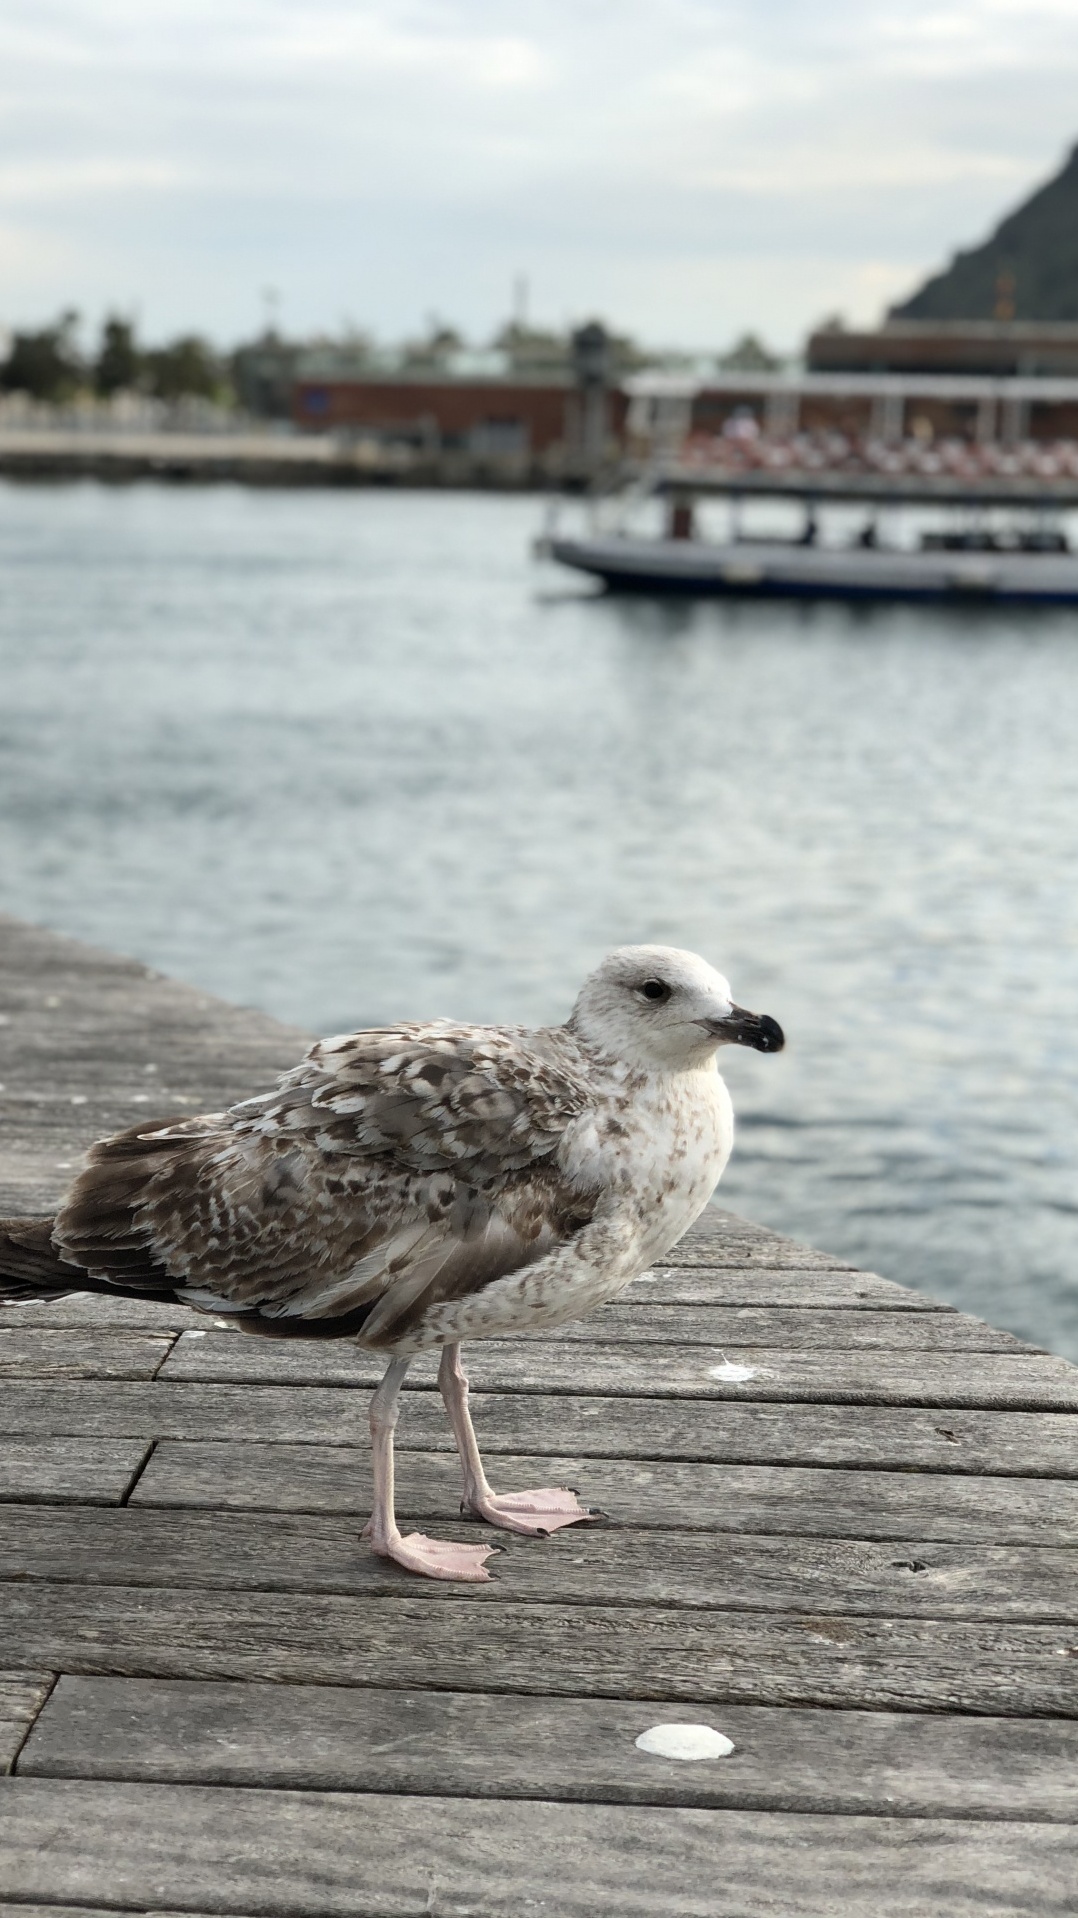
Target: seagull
{"points": [[422, 1184]]}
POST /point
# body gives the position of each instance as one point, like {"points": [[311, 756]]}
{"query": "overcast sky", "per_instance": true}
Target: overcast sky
{"points": [[686, 168]]}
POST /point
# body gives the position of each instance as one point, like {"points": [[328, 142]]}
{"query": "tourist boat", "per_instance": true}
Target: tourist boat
{"points": [[979, 520], [1034, 566]]}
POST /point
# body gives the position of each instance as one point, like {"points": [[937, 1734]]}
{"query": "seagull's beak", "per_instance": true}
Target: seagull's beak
{"points": [[740, 1028]]}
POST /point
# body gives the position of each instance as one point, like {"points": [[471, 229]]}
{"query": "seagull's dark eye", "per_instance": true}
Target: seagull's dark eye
{"points": [[654, 990]]}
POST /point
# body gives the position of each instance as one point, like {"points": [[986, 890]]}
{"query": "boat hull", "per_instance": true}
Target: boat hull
{"points": [[667, 566]]}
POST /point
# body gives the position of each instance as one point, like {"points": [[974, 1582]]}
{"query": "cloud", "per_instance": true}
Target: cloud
{"points": [[51, 180], [690, 166]]}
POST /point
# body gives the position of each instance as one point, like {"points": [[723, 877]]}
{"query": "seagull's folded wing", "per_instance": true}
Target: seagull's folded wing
{"points": [[389, 1171]]}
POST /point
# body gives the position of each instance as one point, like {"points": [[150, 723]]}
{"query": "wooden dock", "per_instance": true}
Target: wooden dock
{"points": [[858, 1564]]}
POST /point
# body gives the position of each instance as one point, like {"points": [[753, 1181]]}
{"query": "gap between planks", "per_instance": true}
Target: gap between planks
{"points": [[22, 1695]]}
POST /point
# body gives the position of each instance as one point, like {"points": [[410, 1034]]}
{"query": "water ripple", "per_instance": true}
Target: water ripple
{"points": [[349, 758]]}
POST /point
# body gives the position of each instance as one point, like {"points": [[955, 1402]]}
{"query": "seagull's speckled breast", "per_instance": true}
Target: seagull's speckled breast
{"points": [[655, 1147], [674, 1142]]}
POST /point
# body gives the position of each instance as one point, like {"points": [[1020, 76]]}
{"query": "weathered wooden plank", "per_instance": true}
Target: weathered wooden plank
{"points": [[789, 1500], [766, 1658], [1024, 1444], [761, 1285], [95, 1911], [91, 1042], [90, 1409], [76, 1911], [22, 1695], [592, 1565], [331, 1738], [654, 1321], [354, 1855], [69, 1470], [74, 1353], [648, 1320], [1013, 1380], [91, 1911], [93, 1309], [723, 1239]]}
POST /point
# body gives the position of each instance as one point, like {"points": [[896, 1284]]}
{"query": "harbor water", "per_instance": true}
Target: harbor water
{"points": [[355, 757]]}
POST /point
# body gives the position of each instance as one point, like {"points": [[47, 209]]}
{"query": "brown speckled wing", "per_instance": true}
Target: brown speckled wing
{"points": [[435, 1097], [389, 1171]]}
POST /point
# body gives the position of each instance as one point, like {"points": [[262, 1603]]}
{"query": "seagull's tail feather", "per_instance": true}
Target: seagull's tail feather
{"points": [[32, 1270], [103, 1249], [31, 1267]]}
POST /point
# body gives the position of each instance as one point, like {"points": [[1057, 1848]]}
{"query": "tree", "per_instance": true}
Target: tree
{"points": [[119, 360], [438, 344], [532, 348], [47, 365], [263, 375], [750, 355], [187, 368]]}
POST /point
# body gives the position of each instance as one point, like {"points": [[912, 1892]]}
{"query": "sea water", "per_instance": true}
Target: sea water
{"points": [[355, 757]]}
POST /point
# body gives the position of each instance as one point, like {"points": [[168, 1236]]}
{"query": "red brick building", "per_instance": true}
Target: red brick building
{"points": [[481, 417]]}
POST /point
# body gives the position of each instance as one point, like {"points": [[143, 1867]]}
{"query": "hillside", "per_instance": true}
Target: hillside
{"points": [[1027, 270]]}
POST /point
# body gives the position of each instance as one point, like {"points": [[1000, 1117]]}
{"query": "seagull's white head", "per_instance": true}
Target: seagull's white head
{"points": [[664, 1010]]}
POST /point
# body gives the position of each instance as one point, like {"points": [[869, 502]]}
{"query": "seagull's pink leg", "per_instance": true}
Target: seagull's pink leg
{"points": [[541, 1511], [435, 1558]]}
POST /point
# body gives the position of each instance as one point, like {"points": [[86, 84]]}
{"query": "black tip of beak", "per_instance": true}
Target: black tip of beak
{"points": [[755, 1029], [770, 1037]]}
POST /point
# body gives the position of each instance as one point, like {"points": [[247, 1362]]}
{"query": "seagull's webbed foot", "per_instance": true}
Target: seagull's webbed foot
{"points": [[537, 1513], [433, 1557]]}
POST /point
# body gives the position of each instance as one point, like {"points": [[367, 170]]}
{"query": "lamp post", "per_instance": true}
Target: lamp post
{"points": [[591, 370]]}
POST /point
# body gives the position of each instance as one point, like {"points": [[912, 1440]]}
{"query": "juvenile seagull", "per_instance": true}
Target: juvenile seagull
{"points": [[423, 1184]]}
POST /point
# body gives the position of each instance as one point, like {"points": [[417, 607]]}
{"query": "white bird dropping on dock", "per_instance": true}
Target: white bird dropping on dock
{"points": [[730, 1374], [685, 1741]]}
